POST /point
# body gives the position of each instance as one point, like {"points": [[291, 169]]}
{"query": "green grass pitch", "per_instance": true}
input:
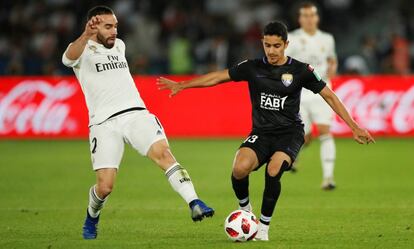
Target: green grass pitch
{"points": [[44, 184]]}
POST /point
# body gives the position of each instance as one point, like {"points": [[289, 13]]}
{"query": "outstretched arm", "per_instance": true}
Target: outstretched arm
{"points": [[206, 80], [362, 136], [76, 48]]}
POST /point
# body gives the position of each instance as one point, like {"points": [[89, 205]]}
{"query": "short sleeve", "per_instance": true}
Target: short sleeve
{"points": [[68, 62], [312, 80], [240, 71]]}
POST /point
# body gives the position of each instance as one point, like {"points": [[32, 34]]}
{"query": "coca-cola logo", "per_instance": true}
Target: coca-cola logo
{"points": [[378, 111], [37, 106]]}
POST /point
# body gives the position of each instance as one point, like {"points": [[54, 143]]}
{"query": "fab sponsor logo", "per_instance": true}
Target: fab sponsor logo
{"points": [[272, 102]]}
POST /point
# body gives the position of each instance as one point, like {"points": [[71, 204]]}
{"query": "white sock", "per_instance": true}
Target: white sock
{"points": [[244, 202], [95, 203], [265, 220], [328, 153], [181, 182]]}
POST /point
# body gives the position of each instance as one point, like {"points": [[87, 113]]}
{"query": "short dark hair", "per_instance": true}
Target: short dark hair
{"points": [[276, 28], [306, 5], [99, 10]]}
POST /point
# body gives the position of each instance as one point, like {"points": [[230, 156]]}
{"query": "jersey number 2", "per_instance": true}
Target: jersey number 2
{"points": [[94, 145]]}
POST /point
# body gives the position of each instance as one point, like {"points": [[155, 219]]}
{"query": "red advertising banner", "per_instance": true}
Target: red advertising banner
{"points": [[382, 104], [54, 107], [32, 107]]}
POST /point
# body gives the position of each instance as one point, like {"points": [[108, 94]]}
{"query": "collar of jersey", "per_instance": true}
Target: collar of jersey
{"points": [[92, 42], [308, 35], [288, 62]]}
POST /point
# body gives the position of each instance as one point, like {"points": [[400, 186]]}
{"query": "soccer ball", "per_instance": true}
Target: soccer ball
{"points": [[241, 225]]}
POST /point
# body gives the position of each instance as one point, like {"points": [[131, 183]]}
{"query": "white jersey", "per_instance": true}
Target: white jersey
{"points": [[312, 49], [105, 80]]}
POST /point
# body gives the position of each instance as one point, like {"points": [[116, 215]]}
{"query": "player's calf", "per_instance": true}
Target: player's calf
{"points": [[328, 154], [161, 154], [90, 226], [241, 190], [181, 182], [271, 193], [244, 163]]}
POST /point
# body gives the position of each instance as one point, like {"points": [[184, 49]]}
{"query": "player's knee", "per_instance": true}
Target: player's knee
{"points": [[324, 130], [104, 189], [273, 171], [161, 154], [241, 169], [307, 140], [277, 167], [325, 136]]}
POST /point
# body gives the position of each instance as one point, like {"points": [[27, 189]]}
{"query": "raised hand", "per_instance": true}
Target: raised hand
{"points": [[167, 84], [362, 136], [91, 27]]}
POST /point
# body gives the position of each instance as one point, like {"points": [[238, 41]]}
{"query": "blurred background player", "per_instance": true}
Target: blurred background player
{"points": [[313, 46], [117, 115]]}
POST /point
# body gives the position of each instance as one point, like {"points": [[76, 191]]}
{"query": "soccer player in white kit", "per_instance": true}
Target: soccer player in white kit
{"points": [[117, 114], [313, 46]]}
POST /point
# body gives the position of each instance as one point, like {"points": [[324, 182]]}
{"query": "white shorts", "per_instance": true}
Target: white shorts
{"points": [[315, 110], [138, 128]]}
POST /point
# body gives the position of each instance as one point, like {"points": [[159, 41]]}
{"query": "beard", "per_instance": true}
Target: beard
{"points": [[104, 41]]}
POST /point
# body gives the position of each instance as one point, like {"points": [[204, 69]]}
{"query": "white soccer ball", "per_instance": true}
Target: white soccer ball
{"points": [[241, 225]]}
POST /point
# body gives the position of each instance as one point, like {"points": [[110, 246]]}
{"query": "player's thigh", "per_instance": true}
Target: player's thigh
{"points": [[106, 145], [306, 115], [322, 115], [142, 129], [253, 152], [279, 159]]}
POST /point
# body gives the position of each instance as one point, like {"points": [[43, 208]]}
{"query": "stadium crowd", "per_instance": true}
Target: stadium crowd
{"points": [[186, 37]]}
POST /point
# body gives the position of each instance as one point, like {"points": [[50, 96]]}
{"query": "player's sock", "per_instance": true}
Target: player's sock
{"points": [[328, 153], [241, 189], [181, 182], [271, 194], [95, 203]]}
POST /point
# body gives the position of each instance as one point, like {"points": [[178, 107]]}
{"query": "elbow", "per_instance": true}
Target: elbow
{"points": [[65, 60]]}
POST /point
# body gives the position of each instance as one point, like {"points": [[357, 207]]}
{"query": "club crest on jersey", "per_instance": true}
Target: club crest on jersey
{"points": [[93, 48], [287, 79]]}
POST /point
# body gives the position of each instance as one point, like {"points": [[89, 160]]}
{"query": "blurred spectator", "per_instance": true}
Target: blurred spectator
{"points": [[179, 55], [369, 52], [355, 64], [400, 55], [178, 36]]}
